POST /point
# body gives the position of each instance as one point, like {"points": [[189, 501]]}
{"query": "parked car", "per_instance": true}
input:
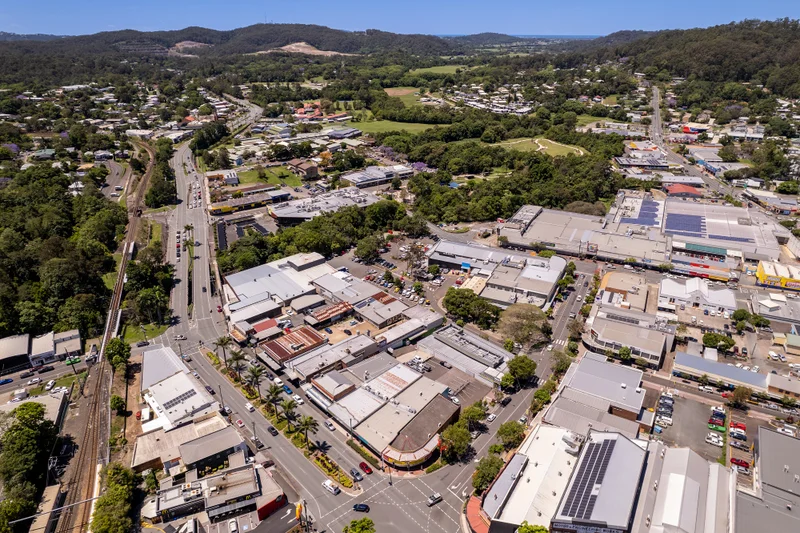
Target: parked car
{"points": [[714, 440], [50, 384], [210, 390], [6, 381], [743, 470], [738, 425], [365, 467], [287, 390], [240, 423], [491, 418], [34, 381], [739, 446], [715, 427], [142, 343], [505, 401], [298, 399], [44, 369], [361, 507], [740, 462]]}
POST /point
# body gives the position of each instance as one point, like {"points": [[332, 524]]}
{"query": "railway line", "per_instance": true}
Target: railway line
{"points": [[93, 448]]}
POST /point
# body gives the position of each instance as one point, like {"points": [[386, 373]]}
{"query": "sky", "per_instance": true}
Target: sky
{"points": [[438, 17]]}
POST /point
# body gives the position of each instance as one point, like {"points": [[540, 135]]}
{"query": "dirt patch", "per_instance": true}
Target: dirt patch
{"points": [[304, 48], [401, 91], [189, 44]]}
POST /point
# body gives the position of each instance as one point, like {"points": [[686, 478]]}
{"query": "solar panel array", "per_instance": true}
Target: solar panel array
{"points": [[731, 238], [581, 500], [685, 225], [175, 401], [649, 215]]}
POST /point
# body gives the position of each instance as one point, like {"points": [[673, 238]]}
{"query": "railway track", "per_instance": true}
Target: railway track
{"points": [[97, 389]]}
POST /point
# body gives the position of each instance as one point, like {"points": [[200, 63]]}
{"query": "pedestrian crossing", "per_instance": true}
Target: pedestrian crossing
{"points": [[560, 342]]}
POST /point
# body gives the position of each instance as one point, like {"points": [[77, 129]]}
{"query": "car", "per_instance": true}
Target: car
{"points": [[50, 384], [549, 348], [257, 442], [240, 423], [664, 421], [233, 526], [347, 332], [743, 470], [523, 420], [298, 399], [329, 425], [445, 364], [219, 309], [455, 400], [329, 331], [6, 381], [249, 406], [26, 374], [739, 446], [773, 355], [210, 390], [715, 427], [475, 434], [738, 425], [142, 343], [786, 431], [331, 487], [272, 431], [755, 369], [356, 474], [287, 390], [225, 410], [34, 381], [714, 440], [44, 369], [740, 462], [278, 382], [505, 401], [180, 337], [365, 467], [666, 400], [716, 421], [782, 357], [491, 418], [195, 374], [739, 436], [772, 406], [433, 499], [361, 507]]}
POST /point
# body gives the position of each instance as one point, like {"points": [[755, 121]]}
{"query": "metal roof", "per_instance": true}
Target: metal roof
{"points": [[617, 384], [722, 371]]}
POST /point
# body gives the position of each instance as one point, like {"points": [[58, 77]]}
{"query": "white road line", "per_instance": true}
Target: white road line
{"points": [[432, 491]]}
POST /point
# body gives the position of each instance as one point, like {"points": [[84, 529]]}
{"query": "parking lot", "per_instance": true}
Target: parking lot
{"points": [[690, 428]]}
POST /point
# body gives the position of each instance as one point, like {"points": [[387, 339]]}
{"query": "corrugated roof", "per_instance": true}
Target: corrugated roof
{"points": [[721, 370]]}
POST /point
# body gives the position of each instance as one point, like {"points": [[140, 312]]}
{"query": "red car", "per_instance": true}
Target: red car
{"points": [[716, 421], [365, 467], [726, 394], [739, 425], [240, 423], [219, 309], [740, 462]]}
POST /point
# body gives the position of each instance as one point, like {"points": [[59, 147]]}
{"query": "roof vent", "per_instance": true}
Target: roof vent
{"points": [[655, 485]]}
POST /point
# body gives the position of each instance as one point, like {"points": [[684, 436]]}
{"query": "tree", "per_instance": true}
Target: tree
{"points": [[255, 374], [728, 154], [523, 323], [117, 404], [288, 407], [272, 396], [522, 368], [455, 442], [740, 396], [508, 382], [525, 527], [703, 380], [788, 187], [473, 414], [542, 396], [362, 525], [434, 270], [546, 254], [368, 248], [715, 340], [306, 424], [511, 434], [759, 321], [117, 353], [236, 362], [418, 288], [741, 314], [465, 305], [223, 342], [624, 353], [486, 471], [575, 328], [560, 362]]}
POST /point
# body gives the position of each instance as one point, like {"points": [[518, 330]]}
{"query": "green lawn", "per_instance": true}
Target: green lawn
{"points": [[405, 94], [443, 69], [275, 176], [380, 126], [554, 149], [64, 381], [611, 99], [160, 209], [131, 333], [155, 231], [583, 120], [110, 278], [536, 145]]}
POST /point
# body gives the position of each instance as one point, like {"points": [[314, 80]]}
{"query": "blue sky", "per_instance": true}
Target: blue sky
{"points": [[519, 17]]}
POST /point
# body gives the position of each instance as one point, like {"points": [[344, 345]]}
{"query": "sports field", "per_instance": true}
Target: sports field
{"points": [[540, 144], [380, 126], [405, 94], [443, 69]]}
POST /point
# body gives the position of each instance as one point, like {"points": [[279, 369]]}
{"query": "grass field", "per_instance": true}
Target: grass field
{"points": [[275, 176], [131, 333], [110, 278], [64, 381], [540, 144], [611, 99], [583, 120], [443, 69], [405, 94], [380, 126], [155, 232]]}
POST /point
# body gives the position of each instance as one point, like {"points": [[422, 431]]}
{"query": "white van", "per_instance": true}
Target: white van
{"points": [[249, 407], [331, 487]]}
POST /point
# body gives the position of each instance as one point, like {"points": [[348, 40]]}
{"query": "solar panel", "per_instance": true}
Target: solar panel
{"points": [[730, 238], [175, 401], [580, 501]]}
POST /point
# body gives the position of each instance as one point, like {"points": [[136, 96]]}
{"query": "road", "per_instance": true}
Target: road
{"points": [[117, 177]]}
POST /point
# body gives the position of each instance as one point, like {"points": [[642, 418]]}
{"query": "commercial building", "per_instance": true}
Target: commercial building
{"points": [[14, 352], [208, 452], [43, 349], [55, 406], [693, 367], [533, 481], [292, 345], [330, 357], [603, 489], [249, 201], [374, 175], [478, 358], [782, 205], [297, 211], [623, 289], [683, 191], [508, 278], [773, 504], [160, 449], [778, 275], [694, 293], [612, 329], [68, 343]]}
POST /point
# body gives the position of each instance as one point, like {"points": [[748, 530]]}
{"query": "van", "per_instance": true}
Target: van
{"points": [[119, 188], [331, 487], [249, 407]]}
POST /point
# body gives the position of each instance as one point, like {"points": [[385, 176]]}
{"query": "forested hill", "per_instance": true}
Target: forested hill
{"points": [[6, 36], [766, 52], [255, 38], [488, 39], [612, 39]]}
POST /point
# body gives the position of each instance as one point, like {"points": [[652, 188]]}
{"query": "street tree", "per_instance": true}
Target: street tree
{"points": [[525, 527], [236, 363], [741, 315], [575, 328], [624, 353], [560, 362], [511, 434], [455, 442], [306, 424], [362, 525], [473, 414], [254, 377], [224, 343], [740, 396], [486, 471], [288, 407], [522, 368], [523, 323], [272, 396]]}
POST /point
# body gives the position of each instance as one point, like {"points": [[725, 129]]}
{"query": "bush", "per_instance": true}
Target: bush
{"points": [[434, 467], [371, 459], [213, 358]]}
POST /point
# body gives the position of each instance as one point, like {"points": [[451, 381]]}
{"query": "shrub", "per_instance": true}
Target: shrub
{"points": [[371, 459], [434, 467], [213, 358]]}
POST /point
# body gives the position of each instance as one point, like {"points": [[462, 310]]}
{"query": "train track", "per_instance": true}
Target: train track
{"points": [[97, 388]]}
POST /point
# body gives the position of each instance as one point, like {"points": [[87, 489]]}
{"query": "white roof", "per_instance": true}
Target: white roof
{"points": [[42, 344], [393, 381], [697, 289], [159, 364], [179, 398]]}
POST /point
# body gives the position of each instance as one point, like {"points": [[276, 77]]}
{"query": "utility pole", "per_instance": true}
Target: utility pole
{"points": [[307, 525], [222, 400]]}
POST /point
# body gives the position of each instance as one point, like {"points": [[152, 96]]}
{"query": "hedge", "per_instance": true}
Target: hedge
{"points": [[364, 453], [434, 467]]}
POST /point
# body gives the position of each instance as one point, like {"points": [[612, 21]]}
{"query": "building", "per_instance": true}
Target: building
{"points": [[333, 385], [298, 211], [778, 275], [330, 357], [683, 191], [603, 490], [532, 483], [68, 343], [160, 449], [623, 289], [612, 329], [43, 349], [292, 345], [14, 353], [508, 278], [55, 406], [374, 175], [305, 169], [694, 293], [250, 201], [467, 352], [773, 504], [211, 451], [692, 367], [782, 205]]}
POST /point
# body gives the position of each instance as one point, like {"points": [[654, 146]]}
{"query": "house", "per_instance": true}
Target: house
{"points": [[683, 191], [41, 155]]}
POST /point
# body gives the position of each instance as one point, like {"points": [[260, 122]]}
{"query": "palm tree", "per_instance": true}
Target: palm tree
{"points": [[254, 376], [236, 362], [288, 407], [223, 342], [306, 424], [272, 395]]}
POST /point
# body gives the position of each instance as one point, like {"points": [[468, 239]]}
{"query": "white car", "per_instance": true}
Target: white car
{"points": [[714, 440], [329, 425], [491, 418], [773, 355], [664, 421], [298, 399], [278, 381], [786, 431], [34, 381], [249, 407], [755, 369], [50, 384], [549, 347]]}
